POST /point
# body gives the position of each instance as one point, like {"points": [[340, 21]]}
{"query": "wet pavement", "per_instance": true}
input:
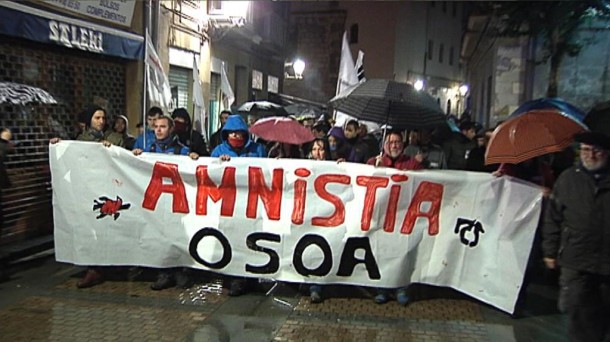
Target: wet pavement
{"points": [[41, 303]]}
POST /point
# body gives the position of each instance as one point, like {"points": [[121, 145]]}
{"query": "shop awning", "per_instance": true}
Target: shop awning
{"points": [[30, 23]]}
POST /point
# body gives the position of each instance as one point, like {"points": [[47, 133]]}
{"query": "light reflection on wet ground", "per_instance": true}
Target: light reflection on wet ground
{"points": [[41, 303]]}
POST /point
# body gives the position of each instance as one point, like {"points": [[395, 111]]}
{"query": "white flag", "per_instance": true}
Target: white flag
{"points": [[228, 96], [158, 85], [348, 76], [199, 109], [360, 67]]}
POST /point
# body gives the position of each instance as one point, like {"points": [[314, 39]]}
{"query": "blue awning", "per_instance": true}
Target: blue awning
{"points": [[46, 27]]}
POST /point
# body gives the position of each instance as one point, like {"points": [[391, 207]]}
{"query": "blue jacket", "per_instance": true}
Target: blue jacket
{"points": [[150, 138], [250, 149], [173, 147]]}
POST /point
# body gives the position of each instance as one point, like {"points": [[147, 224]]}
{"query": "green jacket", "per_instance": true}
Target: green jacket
{"points": [[110, 136]]}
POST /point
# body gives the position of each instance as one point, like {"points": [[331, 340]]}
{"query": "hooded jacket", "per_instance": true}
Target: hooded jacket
{"points": [[250, 149], [128, 139], [190, 137]]}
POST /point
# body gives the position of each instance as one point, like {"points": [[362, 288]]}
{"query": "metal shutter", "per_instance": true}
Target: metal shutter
{"points": [[179, 83]]}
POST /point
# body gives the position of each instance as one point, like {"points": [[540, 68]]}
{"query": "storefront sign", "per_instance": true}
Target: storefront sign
{"points": [[46, 27], [115, 11]]}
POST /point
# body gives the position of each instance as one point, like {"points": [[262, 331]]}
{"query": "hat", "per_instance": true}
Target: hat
{"points": [[594, 138]]}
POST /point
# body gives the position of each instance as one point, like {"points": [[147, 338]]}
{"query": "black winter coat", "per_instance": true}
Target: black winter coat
{"points": [[576, 227]]}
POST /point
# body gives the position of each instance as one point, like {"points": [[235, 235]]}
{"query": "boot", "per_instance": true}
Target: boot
{"points": [[402, 297], [315, 294], [184, 279], [164, 281], [92, 277], [382, 296]]}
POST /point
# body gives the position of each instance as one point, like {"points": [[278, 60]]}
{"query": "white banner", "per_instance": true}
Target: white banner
{"points": [[294, 220]]}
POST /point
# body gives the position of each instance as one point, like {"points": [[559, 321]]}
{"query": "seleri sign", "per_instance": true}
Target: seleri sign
{"points": [[294, 220]]}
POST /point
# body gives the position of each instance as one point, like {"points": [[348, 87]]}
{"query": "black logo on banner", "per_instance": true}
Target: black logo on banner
{"points": [[106, 207], [466, 228]]}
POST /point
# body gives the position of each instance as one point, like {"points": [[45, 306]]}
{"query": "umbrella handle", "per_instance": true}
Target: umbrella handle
{"points": [[378, 159]]}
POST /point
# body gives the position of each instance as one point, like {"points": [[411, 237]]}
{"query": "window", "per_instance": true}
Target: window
{"points": [[215, 7], [353, 34], [430, 49], [451, 51], [441, 51]]}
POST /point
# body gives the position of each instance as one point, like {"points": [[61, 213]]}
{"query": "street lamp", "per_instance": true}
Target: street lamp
{"points": [[464, 89], [299, 67], [294, 70], [418, 85]]}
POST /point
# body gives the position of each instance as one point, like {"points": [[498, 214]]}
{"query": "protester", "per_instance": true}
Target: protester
{"points": [[319, 150], [336, 144], [149, 134], [215, 139], [189, 137], [95, 118], [284, 150], [476, 157], [359, 150], [167, 142], [5, 182], [421, 142], [457, 148], [121, 126], [140, 128], [576, 236], [393, 157], [236, 142]]}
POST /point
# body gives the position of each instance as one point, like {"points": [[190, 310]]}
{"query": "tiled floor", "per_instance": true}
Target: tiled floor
{"points": [[41, 303]]}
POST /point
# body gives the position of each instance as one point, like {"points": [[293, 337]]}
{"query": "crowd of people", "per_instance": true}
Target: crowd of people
{"points": [[572, 195]]}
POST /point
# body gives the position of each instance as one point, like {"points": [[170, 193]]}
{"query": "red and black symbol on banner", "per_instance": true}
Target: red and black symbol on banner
{"points": [[106, 207]]}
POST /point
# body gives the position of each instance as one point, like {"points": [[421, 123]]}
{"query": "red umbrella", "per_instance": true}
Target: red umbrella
{"points": [[284, 130], [529, 135]]}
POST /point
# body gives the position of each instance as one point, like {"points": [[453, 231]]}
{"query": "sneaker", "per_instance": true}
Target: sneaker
{"points": [[184, 279], [237, 287], [402, 297], [164, 281], [315, 295], [381, 297], [92, 277]]}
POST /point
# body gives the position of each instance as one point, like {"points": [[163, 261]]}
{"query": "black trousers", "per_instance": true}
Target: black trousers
{"points": [[585, 297]]}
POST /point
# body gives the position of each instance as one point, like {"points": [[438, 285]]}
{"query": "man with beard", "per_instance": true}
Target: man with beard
{"points": [[576, 236], [393, 157]]}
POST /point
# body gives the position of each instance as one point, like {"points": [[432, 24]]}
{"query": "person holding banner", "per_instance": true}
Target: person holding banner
{"points": [[236, 142], [394, 157], [576, 236], [149, 132], [167, 142], [94, 118]]}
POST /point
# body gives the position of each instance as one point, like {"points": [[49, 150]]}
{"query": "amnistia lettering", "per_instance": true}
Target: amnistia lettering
{"points": [[73, 36], [425, 202]]}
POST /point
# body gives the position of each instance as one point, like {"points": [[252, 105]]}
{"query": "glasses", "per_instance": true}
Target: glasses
{"points": [[593, 150]]}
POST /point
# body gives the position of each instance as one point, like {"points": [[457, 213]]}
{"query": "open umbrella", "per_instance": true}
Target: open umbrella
{"points": [[280, 129], [262, 109], [304, 111], [390, 102], [529, 135], [22, 94], [551, 104]]}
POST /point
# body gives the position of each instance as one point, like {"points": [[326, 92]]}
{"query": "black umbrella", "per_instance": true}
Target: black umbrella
{"points": [[262, 109], [598, 118], [390, 102], [22, 94]]}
